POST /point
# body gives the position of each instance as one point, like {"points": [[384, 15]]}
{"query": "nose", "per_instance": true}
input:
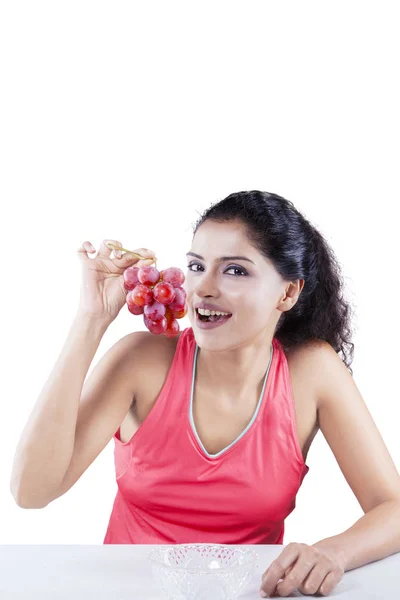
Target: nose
{"points": [[206, 287]]}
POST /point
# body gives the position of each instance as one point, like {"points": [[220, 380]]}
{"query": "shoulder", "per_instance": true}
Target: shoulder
{"points": [[305, 365], [309, 351], [312, 362], [151, 349], [150, 360]]}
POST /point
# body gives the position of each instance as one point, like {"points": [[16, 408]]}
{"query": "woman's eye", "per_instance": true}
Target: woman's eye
{"points": [[240, 269], [191, 265]]}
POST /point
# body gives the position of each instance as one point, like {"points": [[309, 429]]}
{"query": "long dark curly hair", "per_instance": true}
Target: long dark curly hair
{"points": [[298, 251]]}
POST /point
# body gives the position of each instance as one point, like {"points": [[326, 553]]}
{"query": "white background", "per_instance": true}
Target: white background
{"points": [[125, 120]]}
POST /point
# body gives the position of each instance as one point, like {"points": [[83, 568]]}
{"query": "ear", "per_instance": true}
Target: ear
{"points": [[292, 294]]}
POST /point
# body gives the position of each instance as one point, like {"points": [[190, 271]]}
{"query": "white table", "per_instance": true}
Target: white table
{"points": [[123, 572]]}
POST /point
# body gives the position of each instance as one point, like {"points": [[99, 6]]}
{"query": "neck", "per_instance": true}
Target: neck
{"points": [[235, 375]]}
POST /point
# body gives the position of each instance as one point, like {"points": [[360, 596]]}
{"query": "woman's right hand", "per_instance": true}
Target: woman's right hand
{"points": [[102, 288]]}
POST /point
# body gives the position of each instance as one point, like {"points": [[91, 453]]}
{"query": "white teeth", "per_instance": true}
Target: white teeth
{"points": [[207, 312]]}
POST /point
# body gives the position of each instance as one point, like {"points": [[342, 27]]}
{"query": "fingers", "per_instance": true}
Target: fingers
{"points": [[128, 259], [122, 260], [84, 249], [105, 251]]}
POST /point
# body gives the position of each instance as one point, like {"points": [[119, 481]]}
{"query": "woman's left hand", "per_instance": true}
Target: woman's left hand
{"points": [[309, 569]]}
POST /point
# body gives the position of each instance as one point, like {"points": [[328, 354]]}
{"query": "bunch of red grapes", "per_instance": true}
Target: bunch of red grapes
{"points": [[158, 296]]}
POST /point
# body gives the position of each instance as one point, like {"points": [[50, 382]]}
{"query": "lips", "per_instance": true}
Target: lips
{"points": [[211, 324], [209, 306]]}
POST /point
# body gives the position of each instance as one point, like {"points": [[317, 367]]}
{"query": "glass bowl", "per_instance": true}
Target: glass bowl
{"points": [[202, 571]]}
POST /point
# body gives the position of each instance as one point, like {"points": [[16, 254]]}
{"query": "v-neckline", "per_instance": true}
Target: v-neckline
{"points": [[192, 424]]}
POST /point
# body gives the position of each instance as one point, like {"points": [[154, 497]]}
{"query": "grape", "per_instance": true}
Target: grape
{"points": [[154, 311], [173, 276], [179, 301], [179, 314], [142, 295], [164, 292], [148, 275], [132, 306], [172, 329], [168, 315], [156, 327], [131, 278], [158, 296], [135, 310]]}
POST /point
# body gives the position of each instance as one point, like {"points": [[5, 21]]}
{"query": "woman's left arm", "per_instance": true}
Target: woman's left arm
{"points": [[369, 470]]}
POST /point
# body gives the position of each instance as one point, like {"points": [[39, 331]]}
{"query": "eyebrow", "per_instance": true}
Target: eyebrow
{"points": [[222, 258]]}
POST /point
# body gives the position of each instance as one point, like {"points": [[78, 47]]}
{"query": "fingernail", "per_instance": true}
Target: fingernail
{"points": [[263, 594]]}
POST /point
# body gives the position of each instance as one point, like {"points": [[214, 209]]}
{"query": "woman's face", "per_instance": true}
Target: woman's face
{"points": [[249, 289]]}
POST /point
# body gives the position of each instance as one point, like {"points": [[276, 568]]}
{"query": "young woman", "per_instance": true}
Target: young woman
{"points": [[212, 428]]}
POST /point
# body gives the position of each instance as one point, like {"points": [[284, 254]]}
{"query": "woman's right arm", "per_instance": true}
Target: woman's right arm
{"points": [[47, 441], [73, 420]]}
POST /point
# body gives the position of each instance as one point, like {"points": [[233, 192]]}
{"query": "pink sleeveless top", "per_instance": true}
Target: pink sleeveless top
{"points": [[171, 491]]}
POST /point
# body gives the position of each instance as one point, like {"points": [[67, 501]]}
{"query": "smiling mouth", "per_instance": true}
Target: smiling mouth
{"points": [[211, 318]]}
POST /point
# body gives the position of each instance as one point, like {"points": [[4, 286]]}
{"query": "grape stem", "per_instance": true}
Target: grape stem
{"points": [[134, 253]]}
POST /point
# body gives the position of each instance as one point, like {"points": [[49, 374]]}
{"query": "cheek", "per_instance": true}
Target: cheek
{"points": [[257, 307], [254, 314]]}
